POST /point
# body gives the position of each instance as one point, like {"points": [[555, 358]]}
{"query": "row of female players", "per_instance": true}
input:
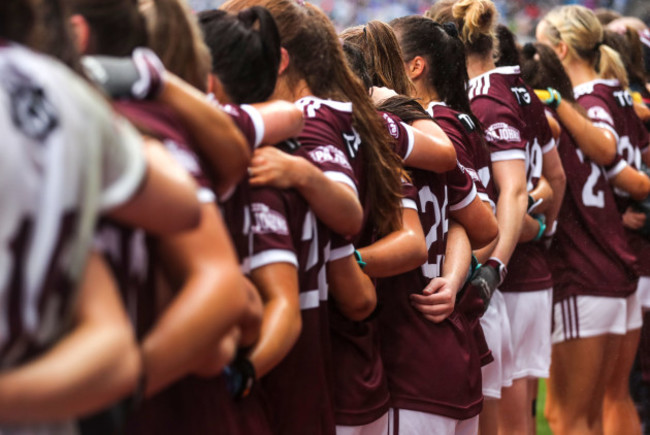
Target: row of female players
{"points": [[417, 350]]}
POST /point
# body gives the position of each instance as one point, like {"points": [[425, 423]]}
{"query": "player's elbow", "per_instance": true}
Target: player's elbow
{"points": [[417, 253], [483, 234], [363, 305], [641, 189]]}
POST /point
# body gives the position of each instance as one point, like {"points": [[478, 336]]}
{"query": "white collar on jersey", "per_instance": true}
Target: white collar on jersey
{"points": [[341, 106], [505, 70], [434, 104], [588, 88]]}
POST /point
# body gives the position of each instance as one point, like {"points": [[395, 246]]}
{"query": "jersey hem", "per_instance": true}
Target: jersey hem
{"points": [[359, 418], [443, 409]]}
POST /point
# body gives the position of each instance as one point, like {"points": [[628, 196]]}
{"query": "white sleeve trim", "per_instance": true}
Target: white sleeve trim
{"points": [[258, 122], [205, 195], [466, 201], [411, 140], [611, 173], [123, 189], [409, 203], [342, 252], [500, 156], [272, 256], [340, 177], [608, 127], [309, 299], [549, 146]]}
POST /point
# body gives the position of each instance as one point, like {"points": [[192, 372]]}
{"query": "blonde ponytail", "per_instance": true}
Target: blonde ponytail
{"points": [[580, 29], [475, 19], [611, 66], [478, 16]]}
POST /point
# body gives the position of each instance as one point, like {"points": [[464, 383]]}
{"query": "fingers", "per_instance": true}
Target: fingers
{"points": [[434, 299], [434, 286]]}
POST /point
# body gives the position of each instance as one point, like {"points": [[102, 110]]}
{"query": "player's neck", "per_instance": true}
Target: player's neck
{"points": [[290, 92], [425, 94], [477, 65], [579, 72]]}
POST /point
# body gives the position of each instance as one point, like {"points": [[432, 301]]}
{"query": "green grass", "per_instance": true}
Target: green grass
{"points": [[542, 424]]}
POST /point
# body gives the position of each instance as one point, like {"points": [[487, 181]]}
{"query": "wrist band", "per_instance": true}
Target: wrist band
{"points": [[497, 265], [555, 99], [542, 228], [551, 230], [360, 261]]}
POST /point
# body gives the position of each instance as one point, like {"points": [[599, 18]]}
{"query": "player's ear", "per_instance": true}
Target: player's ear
{"points": [[215, 87], [561, 49], [284, 61], [80, 32], [415, 67]]}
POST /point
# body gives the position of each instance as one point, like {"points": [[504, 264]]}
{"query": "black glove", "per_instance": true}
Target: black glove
{"points": [[240, 377], [139, 76]]}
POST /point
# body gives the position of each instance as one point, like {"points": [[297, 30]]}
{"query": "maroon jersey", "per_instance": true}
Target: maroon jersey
{"points": [[590, 254], [516, 129], [249, 121], [361, 392], [433, 368], [471, 150], [611, 107], [192, 404]]}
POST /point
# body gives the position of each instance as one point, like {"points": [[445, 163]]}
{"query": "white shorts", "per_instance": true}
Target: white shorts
{"points": [[407, 422], [643, 292], [590, 316], [496, 327], [377, 427], [530, 332]]}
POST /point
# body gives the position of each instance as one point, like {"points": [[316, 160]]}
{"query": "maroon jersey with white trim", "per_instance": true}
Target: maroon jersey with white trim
{"points": [[361, 393], [516, 129], [590, 254], [283, 229], [132, 257], [470, 146], [433, 368], [249, 121], [66, 157], [611, 107]]}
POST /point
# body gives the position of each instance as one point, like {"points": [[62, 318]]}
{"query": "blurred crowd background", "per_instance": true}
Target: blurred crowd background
{"points": [[520, 15]]}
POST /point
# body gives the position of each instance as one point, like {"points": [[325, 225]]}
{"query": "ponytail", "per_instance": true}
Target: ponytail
{"points": [[580, 29], [541, 69], [508, 50], [475, 19], [445, 56], [478, 17], [382, 55], [316, 57], [610, 65], [245, 51]]}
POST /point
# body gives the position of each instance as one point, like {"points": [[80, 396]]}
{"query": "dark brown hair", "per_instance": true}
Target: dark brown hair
{"points": [[630, 50], [116, 25], [245, 51], [475, 19], [176, 38], [444, 53], [405, 108], [317, 58], [541, 69], [382, 55], [17, 20], [508, 49]]}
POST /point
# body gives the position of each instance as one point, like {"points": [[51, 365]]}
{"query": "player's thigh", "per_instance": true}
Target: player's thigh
{"points": [[579, 371]]}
